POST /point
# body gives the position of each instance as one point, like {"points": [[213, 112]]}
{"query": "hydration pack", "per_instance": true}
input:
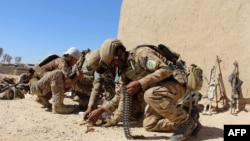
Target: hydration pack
{"points": [[47, 59]]}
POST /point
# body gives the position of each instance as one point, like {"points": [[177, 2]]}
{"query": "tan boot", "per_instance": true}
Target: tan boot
{"points": [[59, 108], [63, 109], [44, 102]]}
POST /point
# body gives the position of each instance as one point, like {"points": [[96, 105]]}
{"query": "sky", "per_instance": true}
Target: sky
{"points": [[33, 29]]}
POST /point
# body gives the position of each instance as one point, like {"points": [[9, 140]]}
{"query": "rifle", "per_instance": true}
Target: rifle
{"points": [[236, 84], [212, 89], [223, 95], [79, 63], [16, 90]]}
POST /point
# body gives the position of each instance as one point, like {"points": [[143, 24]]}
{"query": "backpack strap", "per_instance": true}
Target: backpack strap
{"points": [[131, 60]]}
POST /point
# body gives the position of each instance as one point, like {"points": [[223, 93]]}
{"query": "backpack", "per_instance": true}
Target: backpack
{"points": [[39, 72], [47, 59], [194, 78], [191, 76]]}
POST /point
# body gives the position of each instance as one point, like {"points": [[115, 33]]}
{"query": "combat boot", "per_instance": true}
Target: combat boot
{"points": [[191, 101], [195, 114], [44, 102], [59, 108], [184, 130]]}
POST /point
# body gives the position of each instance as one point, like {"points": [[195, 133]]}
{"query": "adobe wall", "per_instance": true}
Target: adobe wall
{"points": [[198, 30]]}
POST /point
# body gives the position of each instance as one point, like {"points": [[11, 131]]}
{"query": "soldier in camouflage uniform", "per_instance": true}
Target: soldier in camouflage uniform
{"points": [[22, 86], [54, 78], [145, 70], [81, 90], [8, 94], [23, 81], [115, 105], [103, 83]]}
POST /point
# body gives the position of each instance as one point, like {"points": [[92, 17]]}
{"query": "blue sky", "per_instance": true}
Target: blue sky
{"points": [[32, 29]]}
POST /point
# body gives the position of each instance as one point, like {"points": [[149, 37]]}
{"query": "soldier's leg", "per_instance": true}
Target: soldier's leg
{"points": [[155, 122], [57, 89], [194, 98], [83, 102], [190, 105], [163, 101], [44, 101], [43, 92]]}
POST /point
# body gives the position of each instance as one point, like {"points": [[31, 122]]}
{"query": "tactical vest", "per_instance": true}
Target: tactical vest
{"points": [[191, 76], [136, 71], [166, 55]]}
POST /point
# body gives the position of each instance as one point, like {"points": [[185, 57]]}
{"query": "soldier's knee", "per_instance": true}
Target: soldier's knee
{"points": [[148, 95], [58, 74], [149, 124]]}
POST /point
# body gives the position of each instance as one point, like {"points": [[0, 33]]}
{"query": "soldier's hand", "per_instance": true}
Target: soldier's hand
{"points": [[86, 113], [133, 87], [79, 75], [95, 115]]}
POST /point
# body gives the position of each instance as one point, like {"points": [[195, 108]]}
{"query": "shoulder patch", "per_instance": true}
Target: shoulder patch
{"points": [[151, 64]]}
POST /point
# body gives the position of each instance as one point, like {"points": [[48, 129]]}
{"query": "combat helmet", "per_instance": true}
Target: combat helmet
{"points": [[93, 59], [107, 51]]}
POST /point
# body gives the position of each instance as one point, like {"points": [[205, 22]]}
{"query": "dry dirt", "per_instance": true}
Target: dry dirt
{"points": [[23, 119]]}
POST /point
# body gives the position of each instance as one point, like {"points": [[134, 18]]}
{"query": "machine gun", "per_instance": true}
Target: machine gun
{"points": [[223, 96], [79, 64], [236, 86], [16, 90]]}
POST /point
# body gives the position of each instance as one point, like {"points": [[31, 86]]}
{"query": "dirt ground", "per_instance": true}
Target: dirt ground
{"points": [[24, 119]]}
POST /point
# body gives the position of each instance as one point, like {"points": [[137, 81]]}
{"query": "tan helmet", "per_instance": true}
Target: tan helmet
{"points": [[74, 52], [93, 59], [107, 51]]}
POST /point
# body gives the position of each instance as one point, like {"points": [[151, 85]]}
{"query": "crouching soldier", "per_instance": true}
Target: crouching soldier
{"points": [[54, 78], [11, 90], [105, 81], [145, 70]]}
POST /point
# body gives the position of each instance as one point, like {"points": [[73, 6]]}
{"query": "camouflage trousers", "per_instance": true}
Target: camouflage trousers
{"points": [[51, 83], [162, 112]]}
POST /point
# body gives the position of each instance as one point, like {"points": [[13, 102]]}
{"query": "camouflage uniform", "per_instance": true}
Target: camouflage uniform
{"points": [[82, 89], [89, 90], [53, 76], [13, 93], [23, 82], [161, 93], [104, 84], [146, 70]]}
